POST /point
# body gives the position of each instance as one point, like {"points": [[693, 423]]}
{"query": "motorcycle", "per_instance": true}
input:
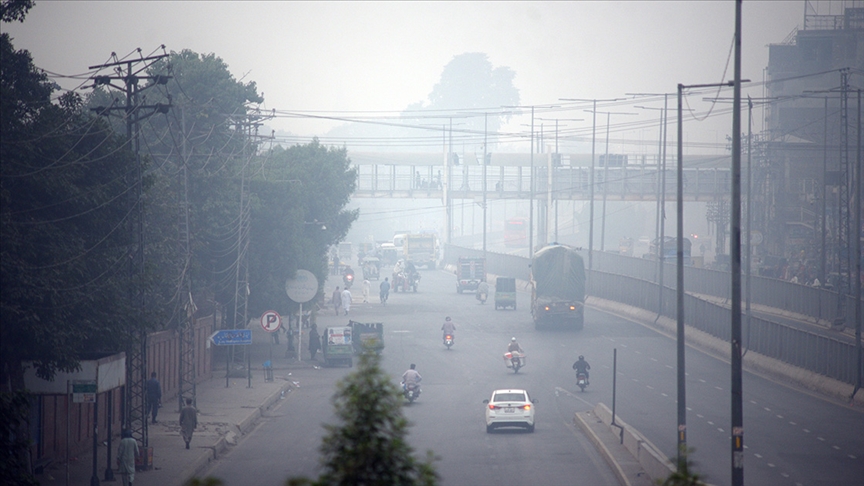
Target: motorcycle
{"points": [[481, 296], [348, 279], [514, 360], [582, 380], [448, 340], [411, 392]]}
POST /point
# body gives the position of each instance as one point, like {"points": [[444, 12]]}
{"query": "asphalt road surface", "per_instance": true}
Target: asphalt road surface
{"points": [[791, 437]]}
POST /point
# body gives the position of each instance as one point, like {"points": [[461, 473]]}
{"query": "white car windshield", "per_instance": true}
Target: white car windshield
{"points": [[509, 397]]}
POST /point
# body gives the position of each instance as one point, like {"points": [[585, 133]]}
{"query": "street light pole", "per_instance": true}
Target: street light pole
{"points": [[485, 137], [682, 396]]}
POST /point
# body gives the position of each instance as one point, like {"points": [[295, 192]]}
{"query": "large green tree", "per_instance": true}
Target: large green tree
{"points": [[299, 212], [63, 209]]}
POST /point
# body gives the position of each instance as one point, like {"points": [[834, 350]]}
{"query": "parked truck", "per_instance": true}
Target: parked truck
{"points": [[557, 287], [422, 249]]}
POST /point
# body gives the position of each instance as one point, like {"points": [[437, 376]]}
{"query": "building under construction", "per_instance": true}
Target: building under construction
{"points": [[807, 161]]}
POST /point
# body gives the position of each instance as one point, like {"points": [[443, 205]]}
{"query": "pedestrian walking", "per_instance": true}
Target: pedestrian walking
{"points": [[314, 341], [336, 300], [127, 451], [188, 421], [365, 291], [154, 396], [346, 300]]}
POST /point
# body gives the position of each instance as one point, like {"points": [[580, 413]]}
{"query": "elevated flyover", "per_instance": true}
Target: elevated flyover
{"points": [[556, 176]]}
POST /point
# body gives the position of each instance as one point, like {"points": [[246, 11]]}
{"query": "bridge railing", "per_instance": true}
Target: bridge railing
{"points": [[629, 182], [824, 355]]}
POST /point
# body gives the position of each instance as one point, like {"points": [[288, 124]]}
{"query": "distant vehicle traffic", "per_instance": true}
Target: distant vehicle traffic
{"points": [[422, 249], [516, 233]]}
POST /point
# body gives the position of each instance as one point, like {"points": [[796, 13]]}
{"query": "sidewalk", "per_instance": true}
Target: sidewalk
{"points": [[225, 414]]}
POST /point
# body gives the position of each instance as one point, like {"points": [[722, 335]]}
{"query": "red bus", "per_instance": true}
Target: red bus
{"points": [[516, 233]]}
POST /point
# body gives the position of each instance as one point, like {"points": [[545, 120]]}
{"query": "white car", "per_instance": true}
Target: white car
{"points": [[510, 408]]}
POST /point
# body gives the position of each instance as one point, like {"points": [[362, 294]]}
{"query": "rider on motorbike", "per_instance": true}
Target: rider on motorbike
{"points": [[514, 346], [411, 377], [482, 291], [448, 327], [582, 366]]}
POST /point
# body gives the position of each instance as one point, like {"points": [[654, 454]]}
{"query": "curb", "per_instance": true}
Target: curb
{"points": [[221, 445], [604, 451]]}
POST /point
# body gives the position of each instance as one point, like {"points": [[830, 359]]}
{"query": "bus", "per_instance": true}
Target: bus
{"points": [[516, 233], [670, 250]]}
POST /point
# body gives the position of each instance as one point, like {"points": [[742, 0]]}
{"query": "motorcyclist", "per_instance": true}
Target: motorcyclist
{"points": [[448, 327], [582, 366], [482, 291], [411, 377], [384, 290], [514, 346]]}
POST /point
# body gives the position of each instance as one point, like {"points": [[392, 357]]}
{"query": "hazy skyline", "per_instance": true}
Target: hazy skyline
{"points": [[382, 56]]}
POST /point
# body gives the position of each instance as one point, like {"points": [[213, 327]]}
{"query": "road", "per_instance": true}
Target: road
{"points": [[790, 437]]}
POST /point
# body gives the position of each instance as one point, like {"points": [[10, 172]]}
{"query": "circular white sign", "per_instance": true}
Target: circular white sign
{"points": [[755, 238], [303, 287], [271, 321]]}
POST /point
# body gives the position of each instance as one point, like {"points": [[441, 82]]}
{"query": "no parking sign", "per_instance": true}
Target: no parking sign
{"points": [[271, 321]]}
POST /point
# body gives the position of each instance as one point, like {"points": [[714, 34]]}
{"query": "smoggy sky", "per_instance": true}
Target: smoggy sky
{"points": [[381, 56]]}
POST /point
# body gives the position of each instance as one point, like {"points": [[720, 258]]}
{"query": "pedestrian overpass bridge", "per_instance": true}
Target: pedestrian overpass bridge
{"points": [[556, 177]]}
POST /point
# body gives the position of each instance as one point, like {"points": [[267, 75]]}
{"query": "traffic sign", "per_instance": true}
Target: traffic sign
{"points": [[84, 391], [303, 287], [271, 321], [229, 337]]}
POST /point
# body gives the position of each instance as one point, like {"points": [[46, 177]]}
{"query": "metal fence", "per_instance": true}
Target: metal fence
{"points": [[819, 354], [796, 298]]}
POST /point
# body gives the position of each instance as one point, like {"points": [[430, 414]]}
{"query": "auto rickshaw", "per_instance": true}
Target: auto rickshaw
{"points": [[371, 268], [505, 293]]}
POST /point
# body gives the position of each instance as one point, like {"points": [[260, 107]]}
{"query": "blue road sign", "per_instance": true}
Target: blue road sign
{"points": [[228, 337]]}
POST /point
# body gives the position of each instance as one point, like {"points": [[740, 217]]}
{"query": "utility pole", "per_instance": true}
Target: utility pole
{"points": [[681, 344], [737, 413], [133, 112], [591, 173]]}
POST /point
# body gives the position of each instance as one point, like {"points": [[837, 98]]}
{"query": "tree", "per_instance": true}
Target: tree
{"points": [[469, 82], [469, 85], [62, 254], [296, 188], [369, 446]]}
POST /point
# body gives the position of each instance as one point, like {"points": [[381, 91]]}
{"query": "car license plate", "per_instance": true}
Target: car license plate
{"points": [[509, 410]]}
